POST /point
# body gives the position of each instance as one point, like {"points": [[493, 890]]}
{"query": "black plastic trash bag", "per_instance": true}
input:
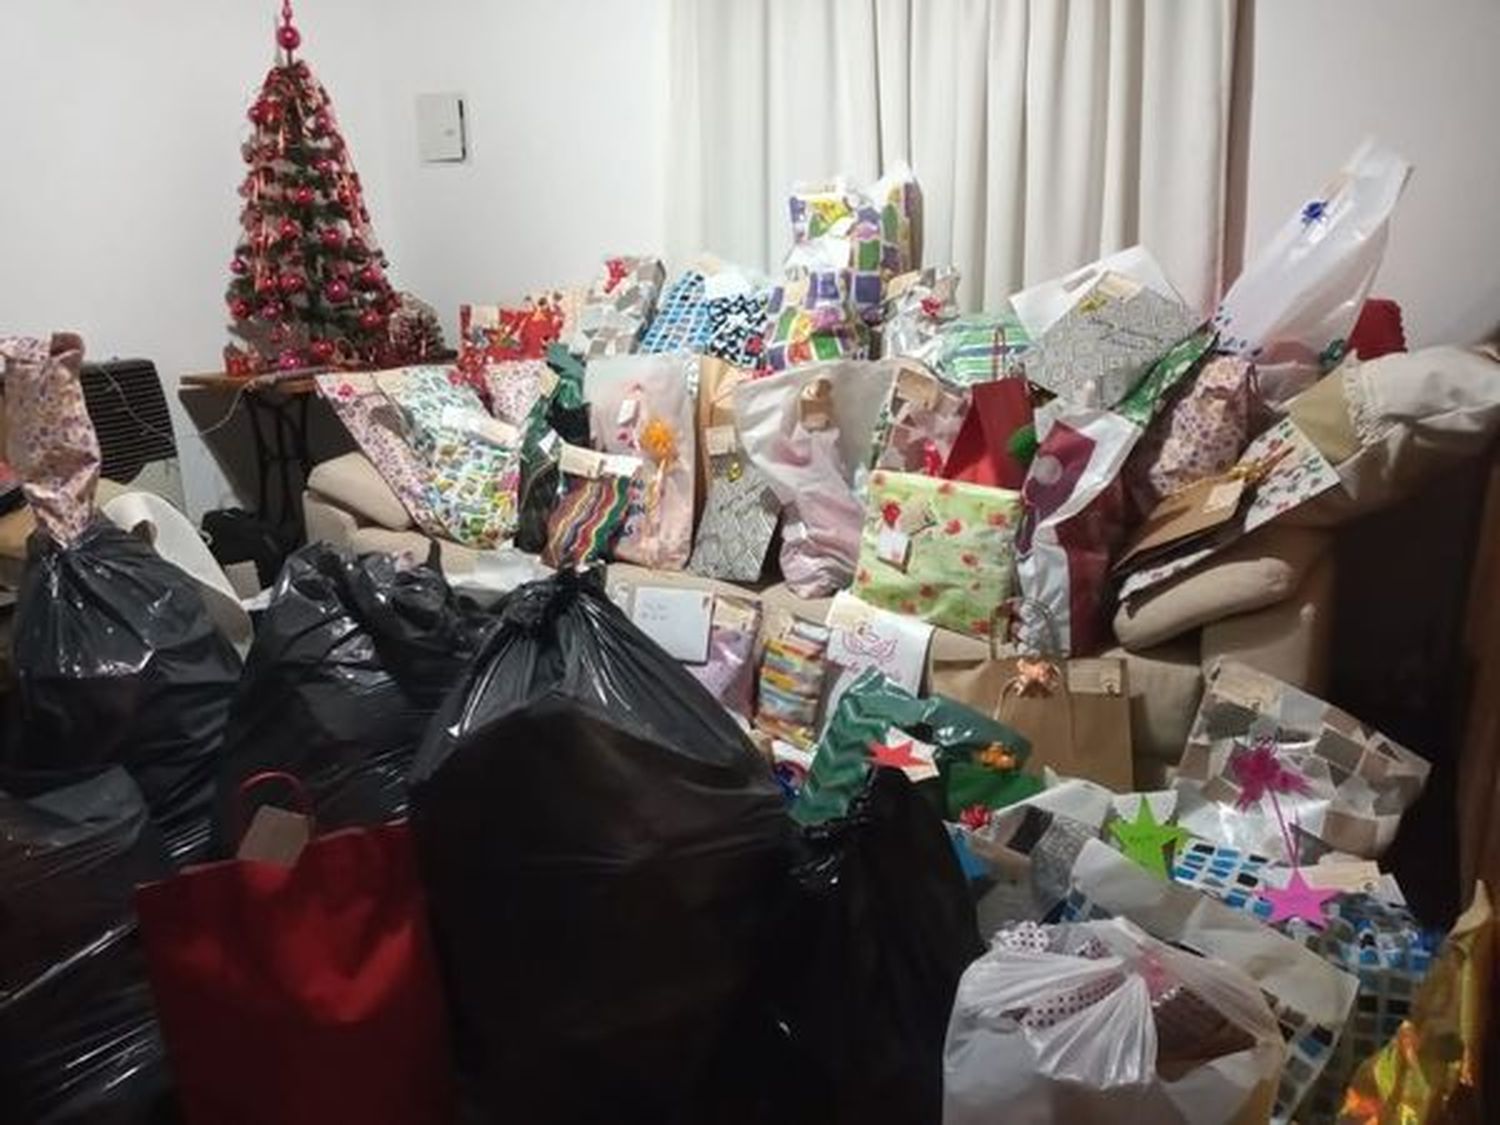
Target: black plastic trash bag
{"points": [[603, 851], [119, 663], [350, 660], [880, 931], [78, 1036]]}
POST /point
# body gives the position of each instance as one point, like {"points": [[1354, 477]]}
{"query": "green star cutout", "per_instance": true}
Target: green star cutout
{"points": [[1146, 841]]}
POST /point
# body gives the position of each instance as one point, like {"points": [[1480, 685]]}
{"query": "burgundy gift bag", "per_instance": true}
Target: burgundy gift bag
{"points": [[305, 994]]}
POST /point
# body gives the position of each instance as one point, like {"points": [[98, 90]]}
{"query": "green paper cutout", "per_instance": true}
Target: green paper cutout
{"points": [[1145, 841]]}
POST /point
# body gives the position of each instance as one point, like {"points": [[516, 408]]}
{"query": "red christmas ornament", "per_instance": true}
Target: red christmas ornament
{"points": [[240, 309], [369, 277], [371, 319], [322, 123], [331, 237], [320, 350], [337, 291], [289, 230], [239, 267], [288, 37], [357, 247], [325, 166], [265, 284], [289, 360], [291, 283], [303, 196], [272, 310]]}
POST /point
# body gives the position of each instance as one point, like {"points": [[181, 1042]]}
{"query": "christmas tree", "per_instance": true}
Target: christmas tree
{"points": [[308, 285]]}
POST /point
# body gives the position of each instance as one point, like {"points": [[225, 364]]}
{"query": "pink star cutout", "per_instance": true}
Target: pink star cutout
{"points": [[1297, 900]]}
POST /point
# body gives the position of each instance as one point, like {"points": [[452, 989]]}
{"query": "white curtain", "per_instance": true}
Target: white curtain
{"points": [[1044, 133]]}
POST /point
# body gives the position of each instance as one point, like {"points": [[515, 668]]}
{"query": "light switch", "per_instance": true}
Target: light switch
{"points": [[440, 128]]}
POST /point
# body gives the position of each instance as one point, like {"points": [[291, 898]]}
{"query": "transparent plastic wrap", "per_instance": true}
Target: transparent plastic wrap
{"points": [[604, 853], [78, 1035], [1098, 1022], [351, 659], [118, 662]]}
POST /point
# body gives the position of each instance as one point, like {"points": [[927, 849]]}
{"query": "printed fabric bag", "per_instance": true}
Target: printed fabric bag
{"points": [[301, 987], [641, 406], [1349, 784], [1075, 523], [592, 503], [617, 307], [939, 550], [811, 318], [1200, 432], [472, 459], [682, 322], [515, 387], [920, 423], [1075, 713], [809, 430], [1097, 1022], [958, 757], [375, 423]]}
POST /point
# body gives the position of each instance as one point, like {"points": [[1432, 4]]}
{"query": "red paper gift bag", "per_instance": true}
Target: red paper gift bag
{"points": [[305, 994], [981, 453]]}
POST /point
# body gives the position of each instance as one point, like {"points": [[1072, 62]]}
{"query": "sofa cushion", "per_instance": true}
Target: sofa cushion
{"points": [[1264, 568], [1414, 414], [352, 481], [1290, 640]]}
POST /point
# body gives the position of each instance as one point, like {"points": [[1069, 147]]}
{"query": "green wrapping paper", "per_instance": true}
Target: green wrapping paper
{"points": [[963, 741], [938, 550]]}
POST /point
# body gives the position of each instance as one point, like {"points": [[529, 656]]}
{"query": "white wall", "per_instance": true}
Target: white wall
{"points": [[1425, 78], [566, 106], [120, 127]]}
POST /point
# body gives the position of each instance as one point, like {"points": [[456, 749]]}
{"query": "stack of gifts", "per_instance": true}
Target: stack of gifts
{"points": [[890, 536]]}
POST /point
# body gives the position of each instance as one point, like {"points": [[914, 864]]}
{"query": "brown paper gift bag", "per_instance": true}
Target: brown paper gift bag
{"points": [[1075, 712]]}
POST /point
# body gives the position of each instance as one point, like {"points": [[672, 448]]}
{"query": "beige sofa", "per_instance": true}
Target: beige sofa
{"points": [[1266, 602]]}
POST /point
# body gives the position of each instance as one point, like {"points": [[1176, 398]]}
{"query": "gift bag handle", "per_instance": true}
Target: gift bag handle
{"points": [[300, 795]]}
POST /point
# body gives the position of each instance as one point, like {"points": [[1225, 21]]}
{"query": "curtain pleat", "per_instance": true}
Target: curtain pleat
{"points": [[1044, 132]]}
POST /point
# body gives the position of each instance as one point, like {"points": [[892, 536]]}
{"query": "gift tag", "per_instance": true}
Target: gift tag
{"points": [[720, 440], [275, 836], [579, 462], [630, 406], [677, 619], [893, 546]]}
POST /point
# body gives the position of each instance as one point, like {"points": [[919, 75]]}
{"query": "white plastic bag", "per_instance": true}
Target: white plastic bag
{"points": [[1293, 307], [812, 468], [1061, 1023]]}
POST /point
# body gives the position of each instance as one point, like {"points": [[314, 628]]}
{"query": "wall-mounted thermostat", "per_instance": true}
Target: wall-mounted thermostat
{"points": [[440, 128]]}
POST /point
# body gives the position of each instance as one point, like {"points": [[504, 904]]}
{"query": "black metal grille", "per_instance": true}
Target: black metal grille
{"points": [[129, 412]]}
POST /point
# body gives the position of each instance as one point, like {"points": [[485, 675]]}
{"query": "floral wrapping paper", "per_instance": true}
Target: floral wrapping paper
{"points": [[514, 388], [473, 470], [812, 318], [938, 550], [920, 422], [51, 444], [378, 428], [1198, 433]]}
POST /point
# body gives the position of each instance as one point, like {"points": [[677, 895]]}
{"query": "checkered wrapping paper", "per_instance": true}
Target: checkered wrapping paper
{"points": [[737, 328], [617, 306], [1379, 943], [682, 322]]}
